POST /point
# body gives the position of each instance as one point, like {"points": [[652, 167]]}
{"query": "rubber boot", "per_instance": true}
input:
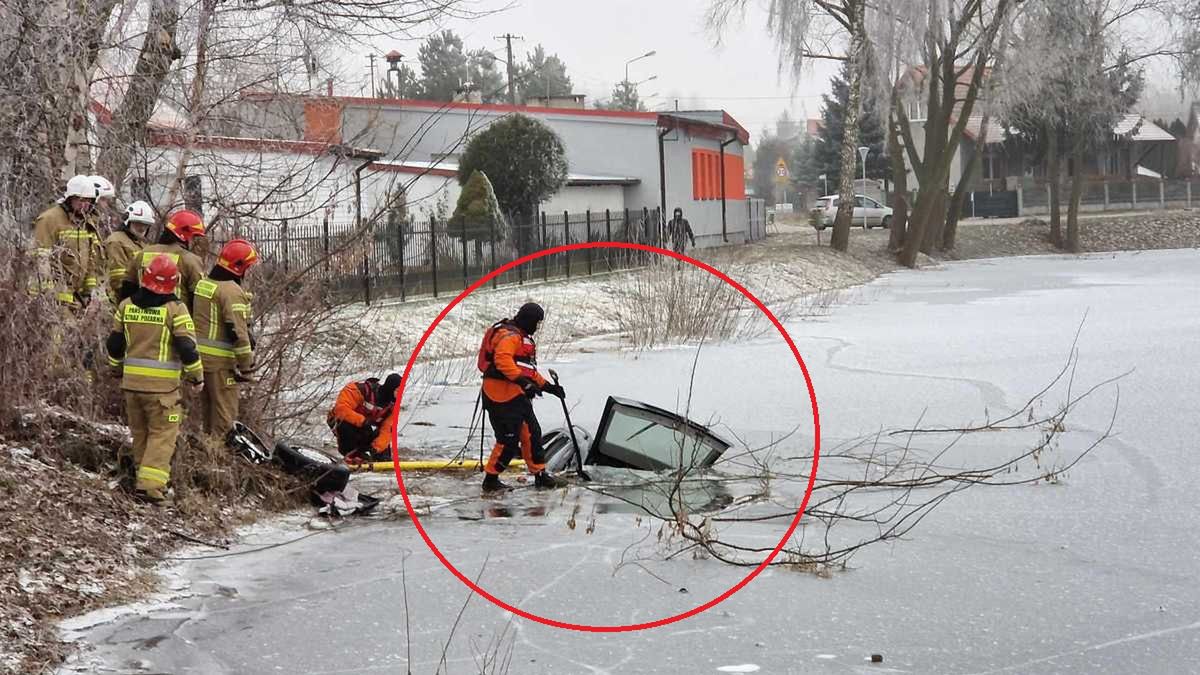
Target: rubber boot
{"points": [[154, 497], [491, 483], [548, 480]]}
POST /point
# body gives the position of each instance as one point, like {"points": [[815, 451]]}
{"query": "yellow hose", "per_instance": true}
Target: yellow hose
{"points": [[428, 465]]}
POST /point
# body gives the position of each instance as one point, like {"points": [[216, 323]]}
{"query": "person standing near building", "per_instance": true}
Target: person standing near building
{"points": [[221, 309], [508, 361], [679, 231], [177, 235], [67, 245], [124, 244], [151, 347]]}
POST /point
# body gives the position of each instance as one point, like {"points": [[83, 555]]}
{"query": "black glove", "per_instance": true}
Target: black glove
{"points": [[555, 390], [528, 386], [372, 429]]}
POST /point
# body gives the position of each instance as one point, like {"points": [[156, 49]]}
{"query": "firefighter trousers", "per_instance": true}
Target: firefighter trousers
{"points": [[154, 421], [220, 402], [517, 432]]}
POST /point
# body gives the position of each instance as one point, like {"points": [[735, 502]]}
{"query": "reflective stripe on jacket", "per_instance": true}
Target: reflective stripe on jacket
{"points": [[513, 356], [119, 249], [68, 252]]}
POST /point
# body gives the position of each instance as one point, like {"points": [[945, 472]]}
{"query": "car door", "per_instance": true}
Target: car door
{"points": [[873, 212], [860, 210]]}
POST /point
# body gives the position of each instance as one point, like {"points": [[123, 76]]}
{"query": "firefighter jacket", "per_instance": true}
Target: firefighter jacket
{"points": [[68, 253], [222, 313], [510, 356], [153, 343], [357, 404], [191, 270], [120, 248]]}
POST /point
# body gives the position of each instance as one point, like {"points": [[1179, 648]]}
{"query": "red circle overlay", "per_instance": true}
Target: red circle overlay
{"points": [[636, 626]]}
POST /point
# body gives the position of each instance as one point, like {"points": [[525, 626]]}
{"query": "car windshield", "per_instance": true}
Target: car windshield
{"points": [[640, 436]]}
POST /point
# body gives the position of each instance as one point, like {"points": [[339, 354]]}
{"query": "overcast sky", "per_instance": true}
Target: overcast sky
{"points": [[596, 38]]}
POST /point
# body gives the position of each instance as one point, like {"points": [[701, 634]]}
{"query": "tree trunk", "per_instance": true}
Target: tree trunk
{"points": [[77, 156], [1054, 180], [840, 239], [196, 109], [128, 126], [900, 193], [1077, 185]]}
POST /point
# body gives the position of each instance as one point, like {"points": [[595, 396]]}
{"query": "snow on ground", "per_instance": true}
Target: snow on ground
{"points": [[1100, 573]]}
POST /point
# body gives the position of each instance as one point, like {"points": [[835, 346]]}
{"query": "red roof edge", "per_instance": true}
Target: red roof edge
{"points": [[180, 139]]}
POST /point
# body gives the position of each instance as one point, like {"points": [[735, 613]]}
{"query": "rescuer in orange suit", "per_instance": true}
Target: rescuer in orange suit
{"points": [[362, 418], [508, 361]]}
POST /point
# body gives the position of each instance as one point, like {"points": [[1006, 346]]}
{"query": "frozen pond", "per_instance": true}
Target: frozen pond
{"points": [[1100, 573]]}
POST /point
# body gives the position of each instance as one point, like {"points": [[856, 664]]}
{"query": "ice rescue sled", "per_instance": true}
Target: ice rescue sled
{"points": [[631, 435]]}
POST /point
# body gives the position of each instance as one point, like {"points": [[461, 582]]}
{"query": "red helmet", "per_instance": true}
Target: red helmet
{"points": [[186, 225], [161, 275], [237, 256]]}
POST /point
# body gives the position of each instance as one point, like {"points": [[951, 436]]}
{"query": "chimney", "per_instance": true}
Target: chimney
{"points": [[322, 121]]}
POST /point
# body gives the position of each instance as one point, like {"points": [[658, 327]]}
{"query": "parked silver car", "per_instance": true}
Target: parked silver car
{"points": [[867, 212]]}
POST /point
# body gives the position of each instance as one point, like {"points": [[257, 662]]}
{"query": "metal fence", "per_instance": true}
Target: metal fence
{"points": [[1113, 195], [413, 258]]}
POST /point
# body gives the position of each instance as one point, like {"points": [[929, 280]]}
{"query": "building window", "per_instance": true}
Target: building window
{"points": [[193, 193]]}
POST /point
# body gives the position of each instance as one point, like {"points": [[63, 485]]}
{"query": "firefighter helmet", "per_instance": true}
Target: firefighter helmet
{"points": [[237, 256], [81, 186], [104, 189], [185, 225], [161, 275], [139, 212]]}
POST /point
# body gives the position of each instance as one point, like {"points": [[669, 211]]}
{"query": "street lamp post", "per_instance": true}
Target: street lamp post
{"points": [[638, 58]]}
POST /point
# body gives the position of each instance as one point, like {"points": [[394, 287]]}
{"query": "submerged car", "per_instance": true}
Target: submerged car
{"points": [[867, 212], [636, 435]]}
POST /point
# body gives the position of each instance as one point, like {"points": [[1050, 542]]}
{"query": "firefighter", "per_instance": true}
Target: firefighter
{"points": [[508, 361], [222, 315], [105, 213], [362, 418], [153, 344], [177, 235], [123, 245], [68, 247]]}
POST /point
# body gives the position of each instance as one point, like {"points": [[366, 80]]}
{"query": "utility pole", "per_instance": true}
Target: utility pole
{"points": [[512, 90], [372, 59]]}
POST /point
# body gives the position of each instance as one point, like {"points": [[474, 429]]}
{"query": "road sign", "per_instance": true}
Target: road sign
{"points": [[781, 171]]}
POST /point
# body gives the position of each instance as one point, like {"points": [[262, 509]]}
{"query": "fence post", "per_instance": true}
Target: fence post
{"points": [[1189, 195], [492, 238], [433, 252], [546, 259], [403, 284], [1162, 197], [325, 233], [588, 219], [520, 239], [287, 256], [466, 274], [1106, 195], [650, 240], [567, 239], [366, 273], [1133, 187], [608, 237]]}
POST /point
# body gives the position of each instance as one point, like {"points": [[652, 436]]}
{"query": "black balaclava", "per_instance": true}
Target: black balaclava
{"points": [[387, 391], [678, 215], [218, 273], [528, 316]]}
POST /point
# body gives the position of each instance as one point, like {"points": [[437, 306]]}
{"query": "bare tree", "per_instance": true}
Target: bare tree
{"points": [[807, 30]]}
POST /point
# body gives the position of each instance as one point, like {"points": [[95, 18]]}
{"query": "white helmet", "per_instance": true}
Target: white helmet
{"points": [[139, 212], [81, 186], [103, 187]]}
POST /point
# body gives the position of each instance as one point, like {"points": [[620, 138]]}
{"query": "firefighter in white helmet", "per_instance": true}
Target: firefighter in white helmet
{"points": [[123, 245], [67, 244]]}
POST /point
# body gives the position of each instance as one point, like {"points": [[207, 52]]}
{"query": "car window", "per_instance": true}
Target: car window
{"points": [[640, 436], [871, 203], [822, 204], [858, 202]]}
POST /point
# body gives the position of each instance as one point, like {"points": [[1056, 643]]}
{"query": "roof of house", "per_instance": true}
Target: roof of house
{"points": [[449, 169], [694, 124], [458, 105], [1135, 127]]}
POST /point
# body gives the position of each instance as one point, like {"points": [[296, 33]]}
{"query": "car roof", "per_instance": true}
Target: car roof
{"points": [[856, 195]]}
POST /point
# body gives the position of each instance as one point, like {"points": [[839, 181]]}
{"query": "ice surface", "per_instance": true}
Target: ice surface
{"points": [[1098, 574]]}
